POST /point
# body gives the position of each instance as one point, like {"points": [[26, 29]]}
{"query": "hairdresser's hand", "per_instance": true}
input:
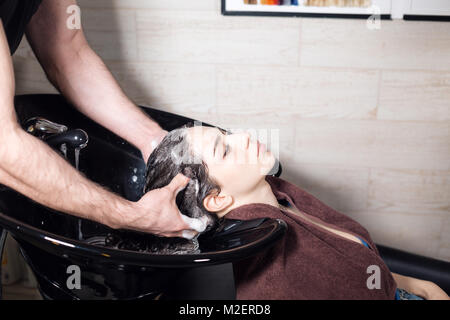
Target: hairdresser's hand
{"points": [[153, 141], [156, 212]]}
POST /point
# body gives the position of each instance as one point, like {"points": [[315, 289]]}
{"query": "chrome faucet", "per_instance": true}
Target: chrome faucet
{"points": [[55, 134], [40, 127], [75, 139]]}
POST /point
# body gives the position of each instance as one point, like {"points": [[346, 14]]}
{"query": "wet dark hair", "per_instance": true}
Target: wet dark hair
{"points": [[172, 156]]}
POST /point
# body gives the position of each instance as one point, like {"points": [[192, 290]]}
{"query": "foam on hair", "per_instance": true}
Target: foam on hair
{"points": [[172, 156]]}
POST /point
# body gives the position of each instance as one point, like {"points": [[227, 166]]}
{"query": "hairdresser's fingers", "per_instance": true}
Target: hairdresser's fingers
{"points": [[187, 234], [189, 228], [194, 224], [177, 184]]}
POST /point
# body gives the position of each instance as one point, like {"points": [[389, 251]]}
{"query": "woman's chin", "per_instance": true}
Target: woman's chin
{"points": [[269, 165]]}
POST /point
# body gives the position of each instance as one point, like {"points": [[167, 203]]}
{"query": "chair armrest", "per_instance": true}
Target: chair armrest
{"points": [[417, 266]]}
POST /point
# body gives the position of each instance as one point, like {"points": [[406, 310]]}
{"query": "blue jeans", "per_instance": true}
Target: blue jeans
{"points": [[402, 294]]}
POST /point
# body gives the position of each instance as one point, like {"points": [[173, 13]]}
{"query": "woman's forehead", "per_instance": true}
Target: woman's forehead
{"points": [[203, 134], [200, 138]]}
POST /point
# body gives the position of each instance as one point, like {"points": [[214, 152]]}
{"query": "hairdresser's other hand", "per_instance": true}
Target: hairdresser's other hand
{"points": [[156, 212], [152, 142]]}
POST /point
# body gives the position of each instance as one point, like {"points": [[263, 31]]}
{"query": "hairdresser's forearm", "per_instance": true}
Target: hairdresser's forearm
{"points": [[83, 78], [30, 167]]}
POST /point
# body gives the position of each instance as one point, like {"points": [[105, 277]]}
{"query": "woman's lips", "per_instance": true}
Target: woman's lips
{"points": [[261, 147]]}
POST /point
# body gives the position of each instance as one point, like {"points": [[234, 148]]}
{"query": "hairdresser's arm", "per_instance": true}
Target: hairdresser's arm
{"points": [[81, 76], [30, 167], [426, 289]]}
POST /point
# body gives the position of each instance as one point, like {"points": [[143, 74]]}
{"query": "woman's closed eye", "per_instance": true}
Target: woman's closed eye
{"points": [[227, 150]]}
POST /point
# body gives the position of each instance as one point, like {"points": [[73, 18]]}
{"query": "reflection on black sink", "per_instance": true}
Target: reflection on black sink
{"points": [[117, 264]]}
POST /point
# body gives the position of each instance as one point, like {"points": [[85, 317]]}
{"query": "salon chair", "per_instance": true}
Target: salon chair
{"points": [[52, 241]]}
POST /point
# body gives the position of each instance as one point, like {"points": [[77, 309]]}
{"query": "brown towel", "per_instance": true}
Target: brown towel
{"points": [[310, 262]]}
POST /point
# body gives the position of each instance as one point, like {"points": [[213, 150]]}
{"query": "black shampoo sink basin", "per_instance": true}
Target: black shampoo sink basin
{"points": [[53, 241]]}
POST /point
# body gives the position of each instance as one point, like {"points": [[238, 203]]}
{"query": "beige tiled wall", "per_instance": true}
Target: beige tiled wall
{"points": [[363, 114]]}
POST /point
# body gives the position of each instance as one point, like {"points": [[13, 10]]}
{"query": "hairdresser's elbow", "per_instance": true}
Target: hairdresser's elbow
{"points": [[11, 147]]}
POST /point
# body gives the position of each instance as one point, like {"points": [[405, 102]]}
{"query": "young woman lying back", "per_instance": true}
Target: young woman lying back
{"points": [[324, 255]]}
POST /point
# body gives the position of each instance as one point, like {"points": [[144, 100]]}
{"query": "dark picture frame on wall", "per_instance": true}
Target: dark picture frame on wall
{"points": [[353, 9], [436, 10]]}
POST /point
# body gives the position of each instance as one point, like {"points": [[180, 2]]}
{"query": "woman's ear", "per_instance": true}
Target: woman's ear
{"points": [[217, 203]]}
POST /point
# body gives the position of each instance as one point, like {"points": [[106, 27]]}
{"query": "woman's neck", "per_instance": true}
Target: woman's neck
{"points": [[262, 193]]}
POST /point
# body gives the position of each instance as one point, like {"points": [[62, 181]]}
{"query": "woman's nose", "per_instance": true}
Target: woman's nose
{"points": [[241, 139]]}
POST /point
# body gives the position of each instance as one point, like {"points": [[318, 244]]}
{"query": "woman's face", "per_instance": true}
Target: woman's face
{"points": [[235, 162]]}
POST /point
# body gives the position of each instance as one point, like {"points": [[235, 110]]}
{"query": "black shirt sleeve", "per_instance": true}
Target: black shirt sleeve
{"points": [[15, 15]]}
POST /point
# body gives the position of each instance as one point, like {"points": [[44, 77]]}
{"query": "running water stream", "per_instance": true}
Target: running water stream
{"points": [[64, 150], [77, 157], [77, 162]]}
